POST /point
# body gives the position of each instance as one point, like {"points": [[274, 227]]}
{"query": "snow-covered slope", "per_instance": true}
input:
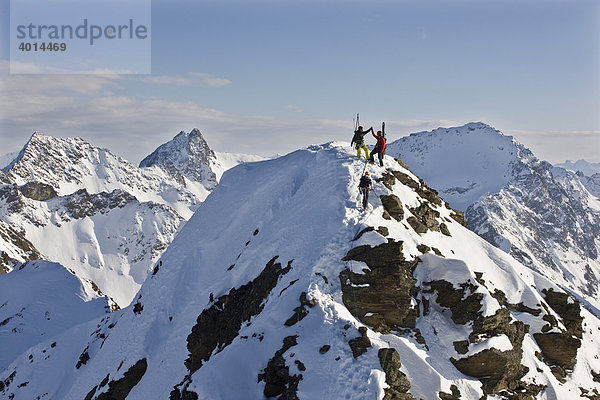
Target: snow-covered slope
{"points": [[38, 301], [226, 161], [586, 167], [462, 163], [109, 240], [548, 218], [295, 293], [105, 219]]}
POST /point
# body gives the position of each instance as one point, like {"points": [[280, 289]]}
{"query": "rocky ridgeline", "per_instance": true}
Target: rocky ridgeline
{"points": [[561, 228], [18, 249], [387, 298], [546, 217]]}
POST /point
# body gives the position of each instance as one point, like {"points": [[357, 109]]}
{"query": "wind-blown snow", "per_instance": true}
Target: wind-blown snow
{"points": [[38, 302]]}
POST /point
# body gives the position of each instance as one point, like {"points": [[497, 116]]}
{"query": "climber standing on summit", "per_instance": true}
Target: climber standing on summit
{"points": [[359, 140], [379, 148], [365, 185]]}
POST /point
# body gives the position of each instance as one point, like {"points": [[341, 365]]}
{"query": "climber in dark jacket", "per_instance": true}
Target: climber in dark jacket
{"points": [[365, 186], [359, 140], [379, 148]]}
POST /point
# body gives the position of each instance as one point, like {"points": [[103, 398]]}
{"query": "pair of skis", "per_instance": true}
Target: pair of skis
{"points": [[357, 124]]}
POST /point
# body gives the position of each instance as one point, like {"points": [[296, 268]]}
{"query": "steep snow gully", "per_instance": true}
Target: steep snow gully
{"points": [[280, 287]]}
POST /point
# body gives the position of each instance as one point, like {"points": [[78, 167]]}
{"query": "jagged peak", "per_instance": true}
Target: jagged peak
{"points": [[39, 141], [186, 155], [192, 142]]}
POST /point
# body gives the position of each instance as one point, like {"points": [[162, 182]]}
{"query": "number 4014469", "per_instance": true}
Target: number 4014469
{"points": [[25, 46]]}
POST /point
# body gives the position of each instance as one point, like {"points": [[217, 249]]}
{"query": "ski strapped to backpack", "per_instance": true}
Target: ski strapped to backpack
{"points": [[383, 133]]}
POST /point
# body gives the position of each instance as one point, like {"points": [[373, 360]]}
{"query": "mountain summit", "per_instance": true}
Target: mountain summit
{"points": [[546, 217], [187, 155], [463, 163], [293, 293]]}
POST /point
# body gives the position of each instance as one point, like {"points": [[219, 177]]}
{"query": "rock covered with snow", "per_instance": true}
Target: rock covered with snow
{"points": [[14, 248], [295, 293], [546, 217]]}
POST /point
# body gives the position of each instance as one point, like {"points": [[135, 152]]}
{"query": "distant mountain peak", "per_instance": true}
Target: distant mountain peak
{"points": [[463, 162], [583, 166], [187, 155], [469, 126], [545, 217]]}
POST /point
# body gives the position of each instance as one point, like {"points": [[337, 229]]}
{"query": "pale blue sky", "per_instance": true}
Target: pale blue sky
{"points": [[270, 76]]}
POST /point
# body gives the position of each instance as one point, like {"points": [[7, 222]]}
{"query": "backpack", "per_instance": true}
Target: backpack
{"points": [[358, 138], [365, 182]]}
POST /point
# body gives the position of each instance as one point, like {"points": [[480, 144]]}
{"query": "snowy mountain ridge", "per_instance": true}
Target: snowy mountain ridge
{"points": [[109, 240], [98, 215], [463, 163], [548, 218], [72, 164], [295, 293]]}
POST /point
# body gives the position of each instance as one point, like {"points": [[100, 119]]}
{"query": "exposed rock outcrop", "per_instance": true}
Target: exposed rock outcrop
{"points": [[464, 303], [398, 383], [559, 349], [119, 389], [277, 378], [359, 345], [38, 191], [393, 206], [381, 297], [217, 326], [301, 311]]}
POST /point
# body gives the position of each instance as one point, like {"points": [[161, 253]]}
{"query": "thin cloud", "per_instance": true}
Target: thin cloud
{"points": [[99, 109], [216, 82], [211, 80], [166, 80], [559, 145], [295, 109]]}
